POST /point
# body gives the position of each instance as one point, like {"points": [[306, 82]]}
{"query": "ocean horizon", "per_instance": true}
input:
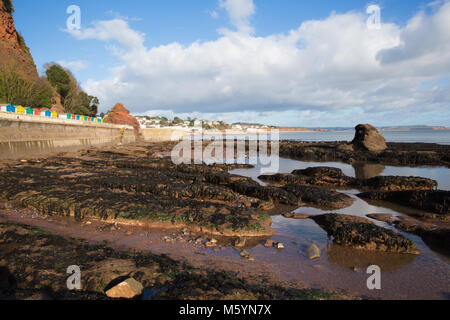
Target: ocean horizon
{"points": [[406, 136]]}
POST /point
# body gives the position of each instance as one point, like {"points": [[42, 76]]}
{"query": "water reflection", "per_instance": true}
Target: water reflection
{"points": [[367, 170], [351, 258]]}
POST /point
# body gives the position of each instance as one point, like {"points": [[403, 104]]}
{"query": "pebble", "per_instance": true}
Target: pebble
{"points": [[269, 243], [279, 245], [313, 252], [210, 244], [246, 255]]}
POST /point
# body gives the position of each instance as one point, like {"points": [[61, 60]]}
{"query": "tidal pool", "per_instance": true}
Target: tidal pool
{"points": [[426, 276]]}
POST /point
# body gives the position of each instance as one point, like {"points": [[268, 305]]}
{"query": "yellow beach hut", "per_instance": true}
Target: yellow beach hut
{"points": [[20, 109], [54, 114]]}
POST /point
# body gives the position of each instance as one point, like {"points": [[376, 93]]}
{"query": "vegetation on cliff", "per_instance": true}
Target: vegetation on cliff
{"points": [[19, 91], [20, 83], [73, 99]]}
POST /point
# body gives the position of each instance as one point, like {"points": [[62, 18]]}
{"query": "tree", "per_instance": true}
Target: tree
{"points": [[90, 103], [60, 80], [164, 121], [73, 99]]}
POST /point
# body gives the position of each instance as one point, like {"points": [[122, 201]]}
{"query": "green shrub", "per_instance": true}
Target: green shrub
{"points": [[18, 91]]}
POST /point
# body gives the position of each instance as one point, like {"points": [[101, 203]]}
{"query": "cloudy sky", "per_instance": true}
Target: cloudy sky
{"points": [[292, 63]]}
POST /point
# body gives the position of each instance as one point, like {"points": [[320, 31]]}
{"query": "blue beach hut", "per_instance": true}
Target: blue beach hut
{"points": [[10, 108], [48, 113]]}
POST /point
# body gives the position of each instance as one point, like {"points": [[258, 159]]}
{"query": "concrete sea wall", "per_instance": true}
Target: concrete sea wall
{"points": [[162, 135], [29, 135]]}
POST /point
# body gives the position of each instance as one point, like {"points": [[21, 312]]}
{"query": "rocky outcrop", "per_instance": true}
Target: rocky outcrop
{"points": [[334, 177], [434, 235], [409, 154], [317, 197], [395, 183], [273, 194], [368, 138], [120, 115], [360, 233], [434, 203], [14, 53]]}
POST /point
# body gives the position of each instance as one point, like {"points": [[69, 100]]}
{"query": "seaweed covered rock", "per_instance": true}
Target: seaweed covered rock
{"points": [[434, 235], [317, 197], [410, 154], [395, 183], [334, 177], [126, 185], [362, 234], [273, 194], [435, 203], [368, 138]]}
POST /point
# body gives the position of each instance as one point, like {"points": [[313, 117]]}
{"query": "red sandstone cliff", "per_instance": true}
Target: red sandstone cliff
{"points": [[14, 54], [120, 115]]}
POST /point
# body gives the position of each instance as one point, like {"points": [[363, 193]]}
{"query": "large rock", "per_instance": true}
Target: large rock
{"points": [[318, 197], [120, 115], [435, 204], [127, 289], [362, 234], [369, 138]]}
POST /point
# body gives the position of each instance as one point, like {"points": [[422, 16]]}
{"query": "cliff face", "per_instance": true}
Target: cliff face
{"points": [[14, 54], [120, 115]]}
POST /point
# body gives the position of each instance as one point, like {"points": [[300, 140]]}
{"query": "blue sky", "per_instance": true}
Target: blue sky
{"points": [[174, 38]]}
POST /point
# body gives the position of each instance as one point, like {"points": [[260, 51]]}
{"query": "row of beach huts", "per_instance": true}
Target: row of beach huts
{"points": [[48, 113]]}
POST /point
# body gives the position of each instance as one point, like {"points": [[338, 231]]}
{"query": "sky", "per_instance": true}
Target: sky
{"points": [[320, 63]]}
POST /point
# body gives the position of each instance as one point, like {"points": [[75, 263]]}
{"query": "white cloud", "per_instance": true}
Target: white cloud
{"points": [[334, 69], [74, 66], [214, 14], [112, 30], [240, 12]]}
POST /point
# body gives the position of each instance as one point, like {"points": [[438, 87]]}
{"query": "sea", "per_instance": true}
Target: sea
{"points": [[407, 136]]}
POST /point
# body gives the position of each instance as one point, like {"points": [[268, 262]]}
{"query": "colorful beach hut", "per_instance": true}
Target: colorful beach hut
{"points": [[10, 108], [86, 118], [92, 119], [54, 114], [74, 117], [47, 113], [20, 109], [37, 112], [69, 116], [78, 117], [29, 111]]}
